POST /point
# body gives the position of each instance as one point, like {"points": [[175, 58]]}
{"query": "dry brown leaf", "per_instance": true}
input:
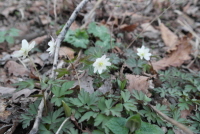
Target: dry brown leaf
{"points": [[8, 10], [26, 92], [106, 87], [137, 82], [86, 82], [44, 19], [170, 39], [128, 28], [16, 69], [74, 26], [6, 90], [177, 57], [66, 52], [185, 113], [150, 31]]}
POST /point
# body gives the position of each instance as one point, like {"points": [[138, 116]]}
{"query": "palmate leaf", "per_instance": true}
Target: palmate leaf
{"points": [[184, 104], [53, 117], [133, 122], [117, 125], [101, 119], [63, 90], [28, 116], [106, 106], [30, 84], [99, 31], [147, 128], [87, 116], [78, 38]]}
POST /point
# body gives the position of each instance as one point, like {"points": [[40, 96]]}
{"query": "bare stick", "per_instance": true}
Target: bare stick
{"points": [[58, 42], [62, 125], [174, 122]]}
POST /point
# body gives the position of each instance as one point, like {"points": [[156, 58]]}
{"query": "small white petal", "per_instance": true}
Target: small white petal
{"points": [[25, 44], [32, 45], [17, 53]]}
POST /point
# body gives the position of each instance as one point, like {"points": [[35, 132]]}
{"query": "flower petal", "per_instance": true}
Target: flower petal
{"points": [[24, 44]]}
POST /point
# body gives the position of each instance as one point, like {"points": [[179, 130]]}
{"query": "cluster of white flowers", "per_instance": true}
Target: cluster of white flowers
{"points": [[99, 65], [26, 48]]}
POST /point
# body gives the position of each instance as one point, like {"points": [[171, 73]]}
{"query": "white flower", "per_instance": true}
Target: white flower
{"points": [[144, 53], [52, 47], [101, 63], [24, 50]]}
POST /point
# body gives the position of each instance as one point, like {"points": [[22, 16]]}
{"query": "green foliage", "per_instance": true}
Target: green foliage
{"points": [[114, 58], [136, 65], [25, 84], [99, 31], [30, 114], [107, 107], [152, 116], [61, 91], [141, 97], [196, 121], [52, 121], [62, 72], [133, 122], [147, 128], [128, 103], [121, 84], [78, 38], [117, 125], [67, 109], [8, 35]]}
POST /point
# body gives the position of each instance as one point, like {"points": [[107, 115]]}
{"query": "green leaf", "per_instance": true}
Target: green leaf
{"points": [[99, 31], [9, 39], [2, 33], [147, 128], [141, 96], [129, 106], [53, 117], [97, 132], [63, 90], [62, 72], [101, 119], [117, 125], [67, 109], [2, 39], [87, 116], [116, 111], [133, 122], [65, 87], [125, 95], [14, 32], [72, 131], [57, 100], [184, 104], [114, 58], [30, 115], [25, 84], [78, 38]]}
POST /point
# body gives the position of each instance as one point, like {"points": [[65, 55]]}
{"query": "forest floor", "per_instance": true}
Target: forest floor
{"points": [[170, 29]]}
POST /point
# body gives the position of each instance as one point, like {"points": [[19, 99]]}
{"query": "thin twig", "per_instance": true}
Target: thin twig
{"points": [[62, 125], [58, 42], [54, 9], [172, 121]]}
